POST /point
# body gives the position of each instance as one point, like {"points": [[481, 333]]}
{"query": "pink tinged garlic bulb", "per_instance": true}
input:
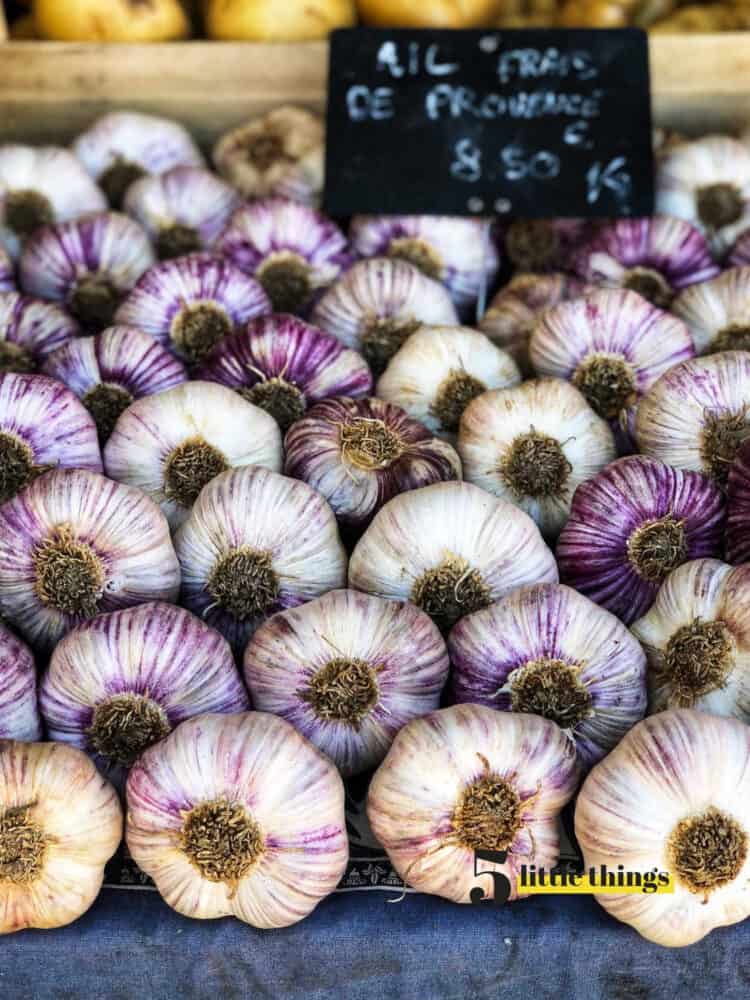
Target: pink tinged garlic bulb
{"points": [[673, 796], [533, 445], [378, 303], [30, 330], [19, 714], [60, 822], [89, 266], [468, 778], [547, 650], [631, 525], [740, 253], [109, 371], [75, 544], [256, 543], [348, 671], [543, 245], [717, 312], [238, 815], [738, 507], [190, 304], [171, 444], [7, 272], [359, 453], [285, 365], [451, 549]]}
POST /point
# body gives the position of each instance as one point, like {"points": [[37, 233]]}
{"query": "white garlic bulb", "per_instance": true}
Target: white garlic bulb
{"points": [[717, 312]]}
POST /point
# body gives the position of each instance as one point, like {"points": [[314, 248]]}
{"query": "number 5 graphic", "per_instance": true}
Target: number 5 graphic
{"points": [[500, 881]]}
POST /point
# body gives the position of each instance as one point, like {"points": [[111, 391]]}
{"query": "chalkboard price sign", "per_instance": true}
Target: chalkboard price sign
{"points": [[530, 123]]}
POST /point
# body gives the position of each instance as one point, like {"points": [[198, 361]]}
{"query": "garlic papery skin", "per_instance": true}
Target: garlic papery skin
{"points": [[89, 265], [359, 453], [673, 796], [123, 146], [543, 245], [469, 778], [459, 253], [281, 153], [291, 249], [738, 507], [7, 272], [172, 444], [60, 822], [451, 549], [19, 713], [740, 253], [285, 365], [121, 682], [440, 370], [74, 544], [532, 445], [238, 815], [191, 303], [348, 671], [38, 187], [256, 543], [695, 416], [183, 211], [717, 312], [30, 330], [109, 371], [707, 183], [42, 426], [631, 525], [380, 302]]}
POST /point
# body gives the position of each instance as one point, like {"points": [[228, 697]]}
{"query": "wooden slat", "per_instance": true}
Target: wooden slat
{"points": [[3, 24]]}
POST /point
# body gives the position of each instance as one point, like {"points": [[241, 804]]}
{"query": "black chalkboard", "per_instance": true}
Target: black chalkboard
{"points": [[530, 123]]}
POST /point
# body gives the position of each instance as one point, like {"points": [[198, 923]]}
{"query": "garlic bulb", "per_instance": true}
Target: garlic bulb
{"points": [[109, 371], [707, 182], [378, 303], [550, 651], [347, 671], [290, 248], [451, 549], [74, 544], [717, 312], [238, 815], [533, 445], [183, 210], [30, 330], [695, 416], [42, 426], [544, 245], [359, 453], [281, 153], [738, 507], [459, 253], [38, 187], [631, 525], [285, 365], [439, 370], [256, 543], [89, 265], [19, 714], [673, 796], [60, 822], [123, 146], [740, 254], [172, 444], [7, 272], [468, 778], [191, 303]]}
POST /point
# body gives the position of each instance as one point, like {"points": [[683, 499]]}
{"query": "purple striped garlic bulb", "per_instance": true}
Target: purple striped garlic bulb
{"points": [[284, 365], [89, 266], [541, 246], [123, 146], [109, 371], [548, 650], [740, 253], [75, 544], [532, 445], [378, 303], [39, 187], [451, 549], [190, 304], [30, 330], [359, 453], [738, 507], [717, 312], [348, 671], [256, 543], [19, 713], [631, 525], [466, 779], [42, 426], [7, 272], [171, 444], [121, 682], [238, 815], [184, 210]]}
